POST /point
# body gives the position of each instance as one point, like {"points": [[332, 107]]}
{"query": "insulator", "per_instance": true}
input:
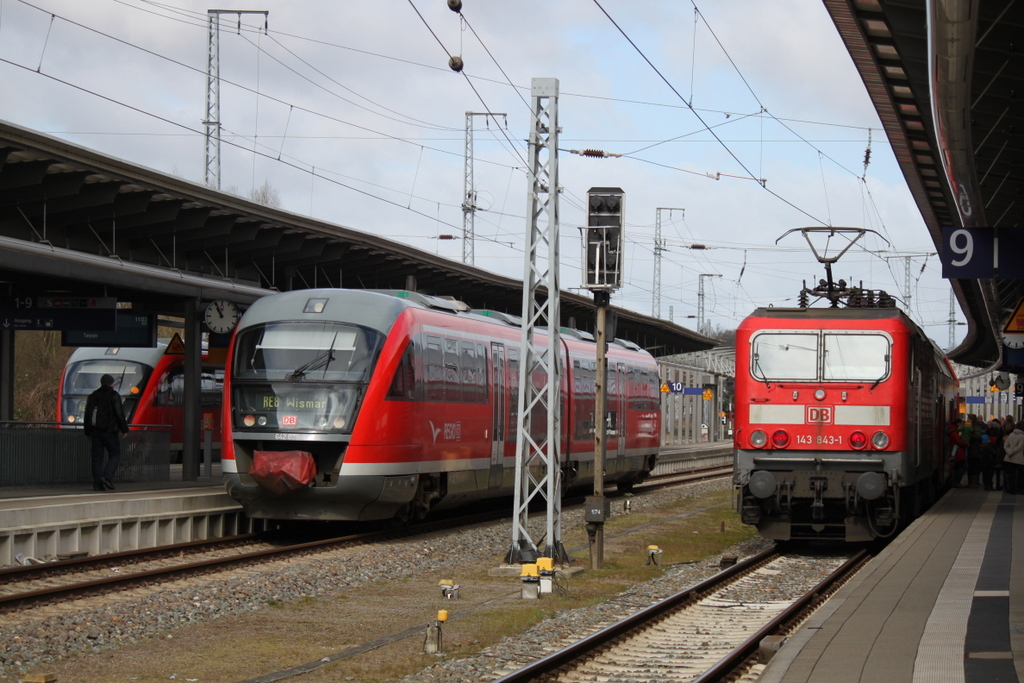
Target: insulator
{"points": [[698, 246], [593, 153], [842, 283], [803, 301], [455, 63], [455, 6]]}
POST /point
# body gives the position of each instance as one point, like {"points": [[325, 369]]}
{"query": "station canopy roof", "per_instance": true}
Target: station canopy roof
{"points": [[73, 221], [945, 87]]}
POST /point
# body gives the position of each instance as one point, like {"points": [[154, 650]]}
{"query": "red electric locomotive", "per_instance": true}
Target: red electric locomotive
{"points": [[361, 405], [841, 417]]}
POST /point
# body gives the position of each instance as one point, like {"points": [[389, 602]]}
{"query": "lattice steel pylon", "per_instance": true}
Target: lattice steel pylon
{"points": [[538, 462], [469, 192], [211, 172], [659, 248]]}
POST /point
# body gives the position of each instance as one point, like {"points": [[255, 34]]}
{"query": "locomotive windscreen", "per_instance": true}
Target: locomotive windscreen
{"points": [[855, 357], [776, 357], [820, 356]]}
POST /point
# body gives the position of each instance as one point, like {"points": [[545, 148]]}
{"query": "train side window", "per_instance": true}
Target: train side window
{"points": [[512, 433], [403, 385], [452, 388], [481, 373], [171, 392], [211, 390], [435, 369], [468, 365]]}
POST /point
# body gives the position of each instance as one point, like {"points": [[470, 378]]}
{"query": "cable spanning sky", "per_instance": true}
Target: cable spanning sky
{"points": [[746, 119]]}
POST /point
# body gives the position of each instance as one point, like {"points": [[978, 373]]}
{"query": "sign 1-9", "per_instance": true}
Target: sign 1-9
{"points": [[961, 243], [968, 252]]}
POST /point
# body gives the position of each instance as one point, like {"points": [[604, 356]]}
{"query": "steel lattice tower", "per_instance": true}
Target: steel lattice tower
{"points": [[538, 463], [659, 247], [469, 193], [211, 173]]}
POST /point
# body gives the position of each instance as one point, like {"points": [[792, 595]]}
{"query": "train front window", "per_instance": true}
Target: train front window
{"points": [[777, 357], [302, 375], [83, 378], [306, 352], [855, 357]]}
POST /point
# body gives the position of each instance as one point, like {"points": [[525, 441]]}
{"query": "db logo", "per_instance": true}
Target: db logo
{"points": [[289, 420], [819, 414]]}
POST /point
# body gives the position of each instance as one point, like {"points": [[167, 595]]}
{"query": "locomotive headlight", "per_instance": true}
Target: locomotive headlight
{"points": [[71, 418], [261, 421], [820, 394], [880, 440], [340, 422], [762, 484], [758, 438], [249, 420], [321, 422], [870, 485], [858, 440], [780, 439]]}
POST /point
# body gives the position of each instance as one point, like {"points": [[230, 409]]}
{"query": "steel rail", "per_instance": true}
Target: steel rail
{"points": [[99, 561], [124, 581], [728, 665], [555, 661]]}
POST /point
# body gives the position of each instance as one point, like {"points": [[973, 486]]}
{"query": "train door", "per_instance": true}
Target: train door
{"points": [[620, 382], [918, 414], [498, 413]]}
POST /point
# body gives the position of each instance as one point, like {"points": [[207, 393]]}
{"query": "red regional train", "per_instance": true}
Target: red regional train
{"points": [[841, 417], [362, 405], [151, 382]]}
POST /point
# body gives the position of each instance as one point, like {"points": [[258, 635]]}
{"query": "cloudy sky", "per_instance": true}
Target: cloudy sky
{"points": [[746, 118]]}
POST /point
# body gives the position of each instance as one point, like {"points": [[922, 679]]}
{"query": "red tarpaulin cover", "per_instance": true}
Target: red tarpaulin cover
{"points": [[282, 472]]}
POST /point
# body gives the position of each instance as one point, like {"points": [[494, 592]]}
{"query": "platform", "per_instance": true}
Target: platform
{"points": [[943, 602], [48, 523]]}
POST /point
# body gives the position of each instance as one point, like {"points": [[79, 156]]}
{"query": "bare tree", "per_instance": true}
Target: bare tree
{"points": [[39, 359], [723, 334], [266, 195]]}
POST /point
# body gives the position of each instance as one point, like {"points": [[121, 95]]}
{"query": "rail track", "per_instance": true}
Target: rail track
{"points": [[49, 582], [710, 632]]}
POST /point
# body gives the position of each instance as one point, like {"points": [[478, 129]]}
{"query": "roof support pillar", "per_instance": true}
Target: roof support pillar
{"points": [[193, 366]]}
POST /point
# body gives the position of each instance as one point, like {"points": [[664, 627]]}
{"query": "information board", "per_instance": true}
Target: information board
{"points": [[94, 314]]}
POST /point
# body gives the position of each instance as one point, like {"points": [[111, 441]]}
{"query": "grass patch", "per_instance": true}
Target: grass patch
{"points": [[312, 627]]}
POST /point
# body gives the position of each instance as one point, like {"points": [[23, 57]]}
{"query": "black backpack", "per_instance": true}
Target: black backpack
{"points": [[103, 415]]}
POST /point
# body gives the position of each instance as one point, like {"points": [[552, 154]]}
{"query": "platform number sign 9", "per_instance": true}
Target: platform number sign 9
{"points": [[969, 252]]}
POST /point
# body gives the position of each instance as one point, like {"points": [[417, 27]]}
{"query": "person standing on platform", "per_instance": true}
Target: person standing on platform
{"points": [[958, 453], [971, 432], [992, 456], [1013, 461], [104, 424]]}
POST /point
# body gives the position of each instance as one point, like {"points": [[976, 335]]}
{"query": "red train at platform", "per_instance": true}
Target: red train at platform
{"points": [[151, 381], [841, 420], [363, 405]]}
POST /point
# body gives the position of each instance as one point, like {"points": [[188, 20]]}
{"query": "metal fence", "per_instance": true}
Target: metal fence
{"points": [[49, 454]]}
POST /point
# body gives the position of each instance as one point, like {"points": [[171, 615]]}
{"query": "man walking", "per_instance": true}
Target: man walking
{"points": [[104, 424]]}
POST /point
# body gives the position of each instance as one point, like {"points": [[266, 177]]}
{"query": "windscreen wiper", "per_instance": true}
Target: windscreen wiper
{"points": [[321, 360]]}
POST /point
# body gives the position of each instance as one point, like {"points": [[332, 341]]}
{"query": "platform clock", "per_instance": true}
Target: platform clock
{"points": [[221, 316], [1013, 340]]}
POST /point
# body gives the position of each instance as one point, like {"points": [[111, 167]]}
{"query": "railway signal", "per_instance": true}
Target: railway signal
{"points": [[602, 252]]}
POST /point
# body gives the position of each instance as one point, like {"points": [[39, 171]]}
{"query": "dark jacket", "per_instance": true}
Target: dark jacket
{"points": [[105, 395]]}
